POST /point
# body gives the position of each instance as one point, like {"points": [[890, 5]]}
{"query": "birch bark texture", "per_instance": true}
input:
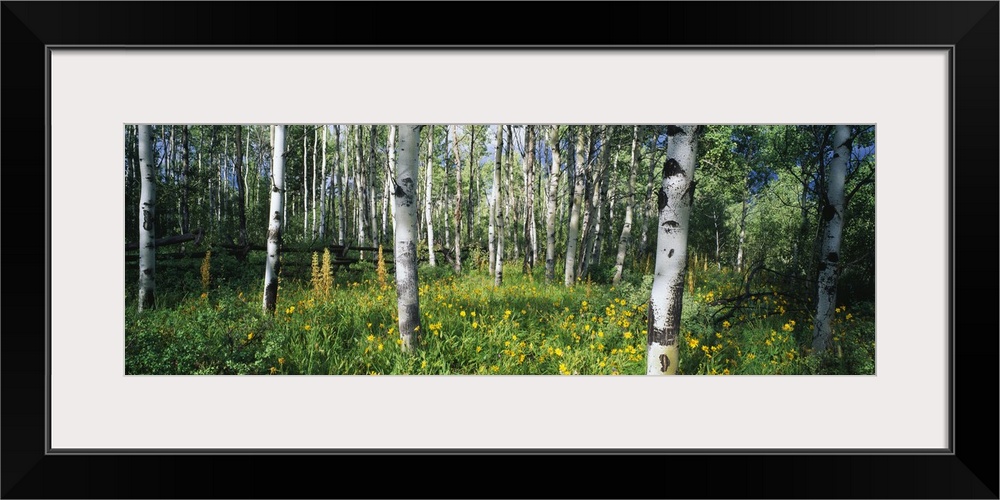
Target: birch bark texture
{"points": [[529, 197], [833, 219], [498, 213], [574, 215], [552, 137], [458, 202], [405, 191], [673, 201], [272, 265], [427, 196], [147, 219]]}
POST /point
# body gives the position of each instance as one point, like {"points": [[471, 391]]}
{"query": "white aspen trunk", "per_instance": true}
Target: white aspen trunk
{"points": [[492, 206], [392, 168], [833, 217], [447, 220], [743, 235], [626, 236], [600, 231], [574, 214], [322, 192], [220, 186], [275, 221], [342, 198], [587, 207], [458, 202], [473, 180], [185, 191], [674, 203], [385, 207], [428, 197], [305, 193], [147, 220], [552, 137], [241, 189], [359, 220], [312, 190], [529, 213], [510, 205], [408, 306], [718, 241], [536, 208], [370, 166], [246, 173], [597, 192], [497, 196]]}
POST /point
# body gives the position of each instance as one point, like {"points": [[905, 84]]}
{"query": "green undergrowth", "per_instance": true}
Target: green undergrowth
{"points": [[206, 324]]}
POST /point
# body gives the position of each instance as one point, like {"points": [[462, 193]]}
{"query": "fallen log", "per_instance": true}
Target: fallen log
{"points": [[197, 235]]}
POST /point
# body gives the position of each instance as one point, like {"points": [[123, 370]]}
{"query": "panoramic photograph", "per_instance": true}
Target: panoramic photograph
{"points": [[499, 249]]}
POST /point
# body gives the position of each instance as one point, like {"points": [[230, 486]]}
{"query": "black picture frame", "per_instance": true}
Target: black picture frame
{"points": [[970, 28]]}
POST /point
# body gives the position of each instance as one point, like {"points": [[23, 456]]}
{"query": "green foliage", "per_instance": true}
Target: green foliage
{"points": [[470, 327]]}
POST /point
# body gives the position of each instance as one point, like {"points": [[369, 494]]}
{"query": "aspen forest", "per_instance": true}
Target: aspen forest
{"points": [[499, 249]]}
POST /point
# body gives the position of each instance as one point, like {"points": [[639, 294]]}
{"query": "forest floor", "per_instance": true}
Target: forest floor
{"points": [[208, 320]]}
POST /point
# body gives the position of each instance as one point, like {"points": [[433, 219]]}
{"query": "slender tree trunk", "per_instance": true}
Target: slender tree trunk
{"points": [[240, 186], [147, 220], [511, 205], [370, 181], [391, 199], [405, 256], [273, 264], [833, 219], [312, 200], [600, 195], [472, 178], [743, 234], [246, 174], [342, 178], [674, 202], [718, 240], [458, 202], [529, 213], [428, 197], [322, 192], [535, 208], [574, 215], [595, 197], [492, 206], [185, 191], [497, 196], [586, 210], [360, 188], [305, 184], [550, 213], [447, 215], [626, 236]]}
